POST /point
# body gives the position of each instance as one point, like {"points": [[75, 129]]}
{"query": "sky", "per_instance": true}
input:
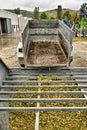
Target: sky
{"points": [[42, 4]]}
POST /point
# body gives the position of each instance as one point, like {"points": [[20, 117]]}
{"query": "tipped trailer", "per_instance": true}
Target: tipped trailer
{"points": [[45, 43]]}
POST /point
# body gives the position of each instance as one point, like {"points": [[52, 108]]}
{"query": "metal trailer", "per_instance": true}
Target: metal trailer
{"points": [[46, 31]]}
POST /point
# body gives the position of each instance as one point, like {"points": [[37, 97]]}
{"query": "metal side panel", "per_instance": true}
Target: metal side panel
{"points": [[4, 116], [3, 71]]}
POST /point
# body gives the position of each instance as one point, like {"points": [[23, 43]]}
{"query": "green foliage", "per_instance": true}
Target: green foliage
{"points": [[17, 11], [73, 14], [81, 22], [36, 13], [84, 5], [52, 17], [68, 15], [59, 12], [43, 16]]}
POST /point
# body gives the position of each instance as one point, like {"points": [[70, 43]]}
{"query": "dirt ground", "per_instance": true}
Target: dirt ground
{"points": [[80, 54], [8, 51]]}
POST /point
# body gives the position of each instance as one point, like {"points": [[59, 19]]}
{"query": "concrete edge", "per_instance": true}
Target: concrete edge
{"points": [[4, 64]]}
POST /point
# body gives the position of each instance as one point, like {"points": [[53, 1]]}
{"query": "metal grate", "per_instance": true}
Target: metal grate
{"points": [[62, 86]]}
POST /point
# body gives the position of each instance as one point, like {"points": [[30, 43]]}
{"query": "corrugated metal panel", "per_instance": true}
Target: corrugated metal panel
{"points": [[9, 26], [0, 27]]}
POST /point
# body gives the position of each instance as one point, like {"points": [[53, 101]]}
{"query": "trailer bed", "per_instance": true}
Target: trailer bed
{"points": [[45, 53], [46, 43]]}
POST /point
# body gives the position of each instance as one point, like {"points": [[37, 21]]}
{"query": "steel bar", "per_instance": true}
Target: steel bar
{"points": [[45, 86], [50, 70], [62, 68], [48, 73], [21, 77], [37, 112], [45, 81], [37, 118], [42, 92], [45, 68], [43, 100], [19, 109], [56, 76]]}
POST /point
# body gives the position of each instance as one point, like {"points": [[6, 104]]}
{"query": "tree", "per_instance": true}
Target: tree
{"points": [[17, 11], [43, 15], [59, 12], [68, 15], [36, 13], [84, 6], [73, 15]]}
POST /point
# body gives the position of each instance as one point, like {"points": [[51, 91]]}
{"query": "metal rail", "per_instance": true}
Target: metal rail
{"points": [[21, 109], [48, 70], [43, 81], [37, 112], [41, 93], [43, 86], [21, 77], [43, 100]]}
